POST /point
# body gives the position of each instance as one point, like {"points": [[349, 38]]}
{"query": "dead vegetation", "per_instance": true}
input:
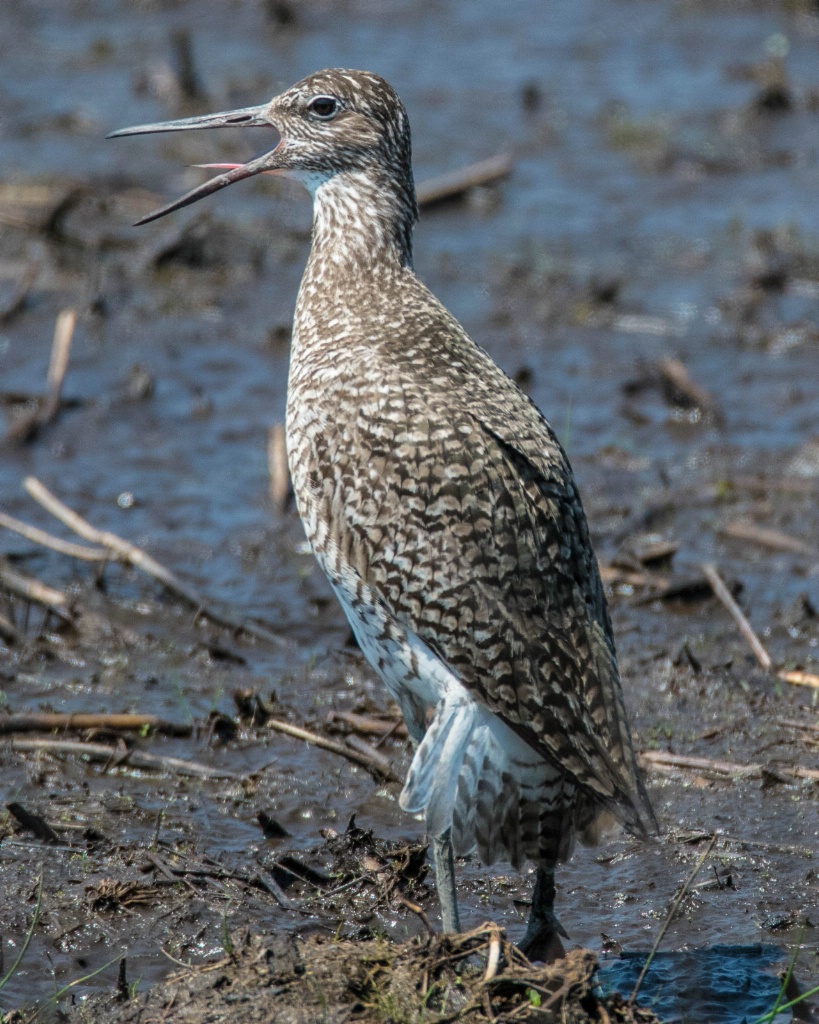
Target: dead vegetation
{"points": [[437, 980]]}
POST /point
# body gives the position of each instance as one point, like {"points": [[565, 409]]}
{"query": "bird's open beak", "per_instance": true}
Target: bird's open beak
{"points": [[249, 117]]}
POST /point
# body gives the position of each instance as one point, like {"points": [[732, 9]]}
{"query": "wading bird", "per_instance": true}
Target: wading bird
{"points": [[441, 506]]}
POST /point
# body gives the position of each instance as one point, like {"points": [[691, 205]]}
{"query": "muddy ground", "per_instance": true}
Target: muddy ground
{"points": [[662, 206]]}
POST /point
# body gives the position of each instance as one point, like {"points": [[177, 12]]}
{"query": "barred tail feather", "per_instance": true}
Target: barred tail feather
{"points": [[473, 774], [433, 776]]}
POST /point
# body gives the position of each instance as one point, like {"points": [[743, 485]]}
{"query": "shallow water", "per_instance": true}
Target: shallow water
{"points": [[645, 167]]}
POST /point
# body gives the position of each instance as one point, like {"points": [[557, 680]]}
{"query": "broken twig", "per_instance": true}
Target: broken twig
{"points": [[723, 594], [797, 678], [789, 724], [456, 183], [679, 382], [363, 747], [48, 721], [773, 539], [368, 724], [29, 425], [723, 769], [123, 551], [122, 756], [48, 540], [32, 589], [625, 577], [494, 955], [369, 759]]}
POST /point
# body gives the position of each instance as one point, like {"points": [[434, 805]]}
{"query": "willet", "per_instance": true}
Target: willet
{"points": [[443, 510]]}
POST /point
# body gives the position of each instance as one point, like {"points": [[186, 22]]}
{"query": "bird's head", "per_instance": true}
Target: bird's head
{"points": [[335, 122]]}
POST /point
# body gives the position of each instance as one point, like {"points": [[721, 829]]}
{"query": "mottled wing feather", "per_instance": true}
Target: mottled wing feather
{"points": [[421, 468], [580, 639], [488, 562]]}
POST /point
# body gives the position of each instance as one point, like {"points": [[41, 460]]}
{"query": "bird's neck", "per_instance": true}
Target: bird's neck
{"points": [[362, 222]]}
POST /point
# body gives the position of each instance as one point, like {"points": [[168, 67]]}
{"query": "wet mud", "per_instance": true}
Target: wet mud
{"points": [[649, 273]]}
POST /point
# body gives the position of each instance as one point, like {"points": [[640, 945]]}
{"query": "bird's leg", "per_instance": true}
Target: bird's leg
{"points": [[415, 717], [541, 941], [445, 878]]}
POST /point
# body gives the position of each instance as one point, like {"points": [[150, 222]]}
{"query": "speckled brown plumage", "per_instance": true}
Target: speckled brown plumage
{"points": [[441, 505], [425, 475]]}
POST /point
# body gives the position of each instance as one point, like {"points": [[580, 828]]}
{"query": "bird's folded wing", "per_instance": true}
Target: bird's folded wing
{"points": [[484, 554]]}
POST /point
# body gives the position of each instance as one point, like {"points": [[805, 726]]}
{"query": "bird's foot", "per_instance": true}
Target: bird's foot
{"points": [[542, 939]]}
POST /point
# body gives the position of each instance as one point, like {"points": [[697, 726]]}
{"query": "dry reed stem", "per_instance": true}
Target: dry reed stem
{"points": [[722, 593], [797, 678], [48, 721], [676, 375], [48, 540], [123, 551], [33, 590], [773, 539], [369, 759], [119, 756], [725, 769], [670, 917], [456, 183], [28, 426], [494, 955]]}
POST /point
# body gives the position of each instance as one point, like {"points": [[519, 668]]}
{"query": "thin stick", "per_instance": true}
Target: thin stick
{"points": [[29, 425], [494, 956], [280, 488], [129, 553], [269, 884], [788, 724], [27, 941], [48, 540], [363, 747], [676, 375], [359, 756], [46, 721], [416, 909], [722, 594], [122, 549], [670, 917], [773, 539], [398, 728], [797, 678], [456, 183], [122, 756], [33, 590], [60, 353], [726, 769], [368, 724]]}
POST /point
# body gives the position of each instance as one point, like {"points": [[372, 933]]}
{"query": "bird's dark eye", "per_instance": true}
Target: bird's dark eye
{"points": [[324, 107]]}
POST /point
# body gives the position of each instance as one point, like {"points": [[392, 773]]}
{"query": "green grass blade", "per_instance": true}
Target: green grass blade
{"points": [[29, 933]]}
